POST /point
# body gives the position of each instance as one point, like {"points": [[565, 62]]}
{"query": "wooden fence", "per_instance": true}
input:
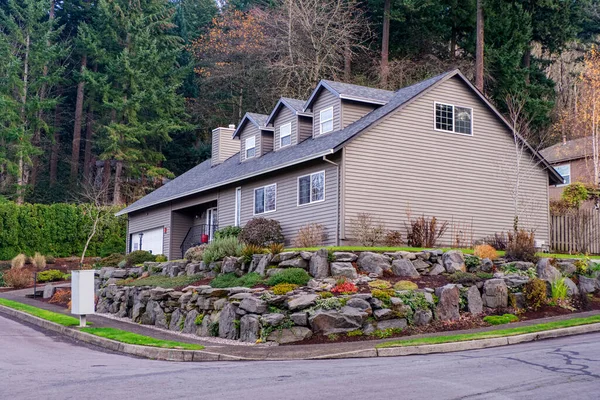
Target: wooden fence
{"points": [[576, 232]]}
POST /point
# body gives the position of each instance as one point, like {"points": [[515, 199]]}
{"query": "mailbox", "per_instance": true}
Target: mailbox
{"points": [[82, 294]]}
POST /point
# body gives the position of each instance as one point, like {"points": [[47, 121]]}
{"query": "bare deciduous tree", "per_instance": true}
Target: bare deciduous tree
{"points": [[92, 198]]}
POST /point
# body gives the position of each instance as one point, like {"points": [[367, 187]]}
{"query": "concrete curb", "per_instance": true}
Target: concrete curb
{"points": [[156, 353]]}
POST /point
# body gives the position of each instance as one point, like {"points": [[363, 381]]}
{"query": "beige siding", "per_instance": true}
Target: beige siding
{"points": [[155, 217], [180, 225], [223, 146], [194, 200], [353, 111], [465, 180], [283, 117], [305, 128], [226, 209], [266, 142], [249, 130], [324, 100]]}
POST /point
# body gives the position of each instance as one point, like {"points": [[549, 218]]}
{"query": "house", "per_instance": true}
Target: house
{"points": [[436, 147], [573, 160]]}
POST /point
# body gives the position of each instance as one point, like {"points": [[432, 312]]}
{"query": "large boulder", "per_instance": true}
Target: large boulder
{"points": [[49, 291], [230, 264], [474, 301], [227, 322], [301, 301], [421, 265], [567, 268], [404, 267], [344, 269], [572, 287], [253, 305], [289, 335], [422, 317], [495, 293], [149, 315], [437, 269], [448, 304], [319, 264], [331, 321], [190, 326], [262, 265], [361, 304], [294, 263], [300, 318], [249, 328], [177, 320], [453, 261], [272, 319], [546, 271], [341, 256], [397, 323], [373, 263], [587, 285]]}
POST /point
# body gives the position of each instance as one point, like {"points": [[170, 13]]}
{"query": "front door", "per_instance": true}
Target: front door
{"points": [[211, 222]]}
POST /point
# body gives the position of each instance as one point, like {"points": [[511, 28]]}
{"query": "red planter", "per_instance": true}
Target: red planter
{"points": [[204, 238]]}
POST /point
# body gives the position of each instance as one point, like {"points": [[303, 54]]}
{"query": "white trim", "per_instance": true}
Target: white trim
{"points": [[289, 134], [435, 103], [246, 148], [264, 199], [563, 165], [321, 120], [237, 217], [310, 187]]}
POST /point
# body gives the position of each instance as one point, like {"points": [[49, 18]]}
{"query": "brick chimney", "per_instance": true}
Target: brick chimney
{"points": [[223, 146]]}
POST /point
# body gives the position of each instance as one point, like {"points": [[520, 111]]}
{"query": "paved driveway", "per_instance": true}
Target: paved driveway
{"points": [[37, 365]]}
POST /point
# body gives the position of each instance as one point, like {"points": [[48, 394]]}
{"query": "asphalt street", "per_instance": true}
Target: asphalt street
{"points": [[39, 365]]}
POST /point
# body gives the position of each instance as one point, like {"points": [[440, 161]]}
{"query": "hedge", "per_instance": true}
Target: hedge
{"points": [[57, 229]]}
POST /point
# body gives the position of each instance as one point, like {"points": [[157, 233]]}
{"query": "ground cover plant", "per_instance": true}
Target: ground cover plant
{"points": [[140, 340], [232, 280], [500, 319], [221, 248], [162, 281], [51, 275], [60, 319], [296, 276]]}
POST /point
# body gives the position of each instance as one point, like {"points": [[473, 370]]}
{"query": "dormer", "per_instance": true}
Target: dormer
{"points": [[335, 105], [256, 138], [291, 124]]}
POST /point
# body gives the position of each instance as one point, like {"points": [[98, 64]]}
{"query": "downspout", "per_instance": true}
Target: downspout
{"points": [[337, 214]]}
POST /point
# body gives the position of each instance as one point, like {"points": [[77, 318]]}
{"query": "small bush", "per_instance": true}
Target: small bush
{"points": [[464, 278], [393, 238], [261, 232], [18, 278], [112, 261], [249, 250], [228, 231], [199, 319], [424, 231], [138, 257], [535, 294], [367, 230], [486, 251], [283, 288], [344, 287], [39, 261], [472, 262], [232, 280], [521, 246], [379, 284], [50, 259], [500, 319], [498, 241], [276, 248], [221, 248], [18, 262], [160, 258], [296, 276], [50, 275], [194, 254], [405, 285], [311, 235], [559, 289]]}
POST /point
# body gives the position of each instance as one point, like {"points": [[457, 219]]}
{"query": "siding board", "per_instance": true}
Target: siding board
{"points": [[250, 130], [155, 217], [285, 116], [353, 111]]}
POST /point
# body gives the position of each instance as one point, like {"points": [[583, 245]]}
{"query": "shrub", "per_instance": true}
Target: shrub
{"points": [[575, 194], [249, 250], [18, 278], [138, 257], [559, 289], [521, 246], [393, 238], [50, 259], [61, 297], [38, 261], [276, 248], [379, 284], [50, 275], [464, 278], [283, 288], [405, 285], [383, 294], [424, 231], [498, 241], [228, 231], [2, 283], [354, 333], [221, 248], [486, 251], [386, 333], [18, 262], [367, 230], [311, 235], [261, 232], [296, 276], [194, 254], [325, 295], [472, 262], [232, 280], [344, 287], [534, 292], [160, 258], [484, 275], [112, 261], [500, 319], [199, 319]]}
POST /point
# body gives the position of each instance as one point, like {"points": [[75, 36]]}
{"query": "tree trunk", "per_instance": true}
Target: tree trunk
{"points": [[56, 142], [117, 188], [106, 172], [527, 62], [77, 127], [385, 44], [347, 63], [89, 133], [479, 48], [21, 165]]}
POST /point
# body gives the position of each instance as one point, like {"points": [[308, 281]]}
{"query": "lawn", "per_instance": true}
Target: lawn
{"points": [[493, 334], [162, 281], [61, 319], [141, 340]]}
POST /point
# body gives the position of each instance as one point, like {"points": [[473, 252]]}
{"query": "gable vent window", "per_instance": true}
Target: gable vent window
{"points": [[326, 120], [285, 135], [265, 198], [455, 119], [311, 188], [251, 147]]}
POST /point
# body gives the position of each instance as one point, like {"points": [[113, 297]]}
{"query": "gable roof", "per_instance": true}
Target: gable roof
{"points": [[569, 150], [257, 119], [294, 105], [203, 177], [349, 91]]}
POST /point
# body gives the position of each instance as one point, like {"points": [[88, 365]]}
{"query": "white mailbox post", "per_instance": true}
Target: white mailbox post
{"points": [[82, 294]]}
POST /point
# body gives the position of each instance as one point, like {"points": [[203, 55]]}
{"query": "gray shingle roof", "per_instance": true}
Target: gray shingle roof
{"points": [[349, 91], [204, 177], [296, 106], [257, 119], [570, 150]]}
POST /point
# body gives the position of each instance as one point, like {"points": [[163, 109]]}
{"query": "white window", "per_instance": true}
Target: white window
{"points": [[250, 147], [265, 198], [564, 171], [455, 119], [326, 120], [311, 188], [238, 206], [285, 135]]}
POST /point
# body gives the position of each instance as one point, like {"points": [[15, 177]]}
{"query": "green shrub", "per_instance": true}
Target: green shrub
{"points": [[500, 319], [160, 258], [472, 262], [484, 275], [112, 261], [249, 250], [199, 319], [283, 288], [386, 333], [383, 294], [232, 280], [559, 289], [464, 278], [195, 254], [50, 275], [261, 232], [521, 246], [535, 293], [228, 231], [276, 248], [2, 283], [405, 285], [138, 257], [296, 276], [380, 284], [354, 333], [325, 295], [221, 248]]}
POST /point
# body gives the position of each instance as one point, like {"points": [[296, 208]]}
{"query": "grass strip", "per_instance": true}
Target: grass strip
{"points": [[61, 319], [163, 281], [141, 340], [547, 326]]}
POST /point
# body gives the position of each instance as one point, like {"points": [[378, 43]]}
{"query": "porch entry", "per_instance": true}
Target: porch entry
{"points": [[194, 225]]}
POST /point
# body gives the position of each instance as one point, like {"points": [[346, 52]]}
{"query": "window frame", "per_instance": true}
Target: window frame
{"points": [[321, 120], [435, 104], [310, 189], [281, 145], [253, 137], [564, 165], [238, 207], [264, 199]]}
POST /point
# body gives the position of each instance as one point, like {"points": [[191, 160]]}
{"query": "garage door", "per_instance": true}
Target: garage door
{"points": [[150, 240]]}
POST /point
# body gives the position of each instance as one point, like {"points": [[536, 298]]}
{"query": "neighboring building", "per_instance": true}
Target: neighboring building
{"points": [[573, 160], [434, 147]]}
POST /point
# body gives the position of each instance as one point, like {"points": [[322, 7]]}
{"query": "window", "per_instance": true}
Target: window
{"points": [[264, 199], [564, 171], [453, 119], [238, 206], [285, 135], [326, 120], [311, 188], [250, 147]]}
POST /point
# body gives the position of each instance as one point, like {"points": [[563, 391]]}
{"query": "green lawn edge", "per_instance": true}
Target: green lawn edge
{"points": [[60, 319], [547, 326], [140, 340]]}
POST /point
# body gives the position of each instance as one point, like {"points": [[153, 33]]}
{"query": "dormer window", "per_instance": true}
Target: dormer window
{"points": [[285, 134], [326, 120], [250, 147], [454, 119]]}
